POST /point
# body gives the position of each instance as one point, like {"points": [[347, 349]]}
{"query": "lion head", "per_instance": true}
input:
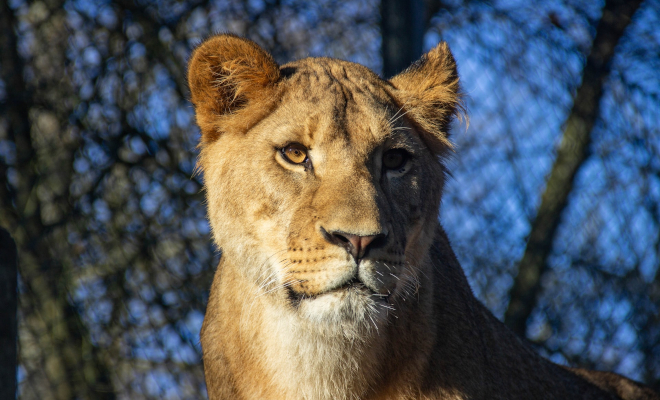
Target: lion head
{"points": [[324, 179]]}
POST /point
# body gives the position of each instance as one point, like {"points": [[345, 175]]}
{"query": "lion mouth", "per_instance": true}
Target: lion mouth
{"points": [[353, 285]]}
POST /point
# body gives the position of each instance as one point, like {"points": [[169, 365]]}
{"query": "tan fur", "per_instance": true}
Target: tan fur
{"points": [[292, 314]]}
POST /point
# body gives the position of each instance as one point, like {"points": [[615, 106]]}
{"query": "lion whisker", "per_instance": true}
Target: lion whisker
{"points": [[375, 326], [396, 115]]}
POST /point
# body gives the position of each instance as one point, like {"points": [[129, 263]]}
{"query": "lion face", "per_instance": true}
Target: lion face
{"points": [[329, 194]]}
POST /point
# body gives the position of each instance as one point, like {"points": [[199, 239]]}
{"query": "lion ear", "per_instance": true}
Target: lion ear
{"points": [[226, 75], [429, 92]]}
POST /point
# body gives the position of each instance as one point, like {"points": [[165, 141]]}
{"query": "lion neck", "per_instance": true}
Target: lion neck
{"points": [[293, 357]]}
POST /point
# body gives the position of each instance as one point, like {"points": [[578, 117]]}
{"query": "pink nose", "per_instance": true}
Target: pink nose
{"points": [[359, 244], [356, 245]]}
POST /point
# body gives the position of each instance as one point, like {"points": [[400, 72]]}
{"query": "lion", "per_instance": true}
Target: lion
{"points": [[337, 281]]}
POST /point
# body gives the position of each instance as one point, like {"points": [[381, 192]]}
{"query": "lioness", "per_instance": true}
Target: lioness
{"points": [[323, 184]]}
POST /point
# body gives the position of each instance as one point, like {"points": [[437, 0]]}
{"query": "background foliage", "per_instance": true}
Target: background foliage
{"points": [[97, 153]]}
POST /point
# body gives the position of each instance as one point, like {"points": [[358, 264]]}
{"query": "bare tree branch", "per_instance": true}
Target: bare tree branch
{"points": [[572, 152]]}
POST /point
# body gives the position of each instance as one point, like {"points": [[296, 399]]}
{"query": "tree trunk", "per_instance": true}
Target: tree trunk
{"points": [[402, 31], [571, 153], [8, 325], [60, 349]]}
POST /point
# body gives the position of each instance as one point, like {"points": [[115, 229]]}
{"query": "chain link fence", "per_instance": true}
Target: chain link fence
{"points": [[115, 256]]}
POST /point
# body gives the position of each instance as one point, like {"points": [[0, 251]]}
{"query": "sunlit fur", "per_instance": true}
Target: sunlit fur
{"points": [[292, 315]]}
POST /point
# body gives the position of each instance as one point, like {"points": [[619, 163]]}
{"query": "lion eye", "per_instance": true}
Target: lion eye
{"points": [[295, 153], [395, 158]]}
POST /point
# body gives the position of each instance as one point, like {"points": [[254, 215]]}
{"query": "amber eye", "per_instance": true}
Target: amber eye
{"points": [[395, 158], [295, 153]]}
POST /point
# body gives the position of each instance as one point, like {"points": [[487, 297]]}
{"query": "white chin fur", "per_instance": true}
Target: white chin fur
{"points": [[347, 312]]}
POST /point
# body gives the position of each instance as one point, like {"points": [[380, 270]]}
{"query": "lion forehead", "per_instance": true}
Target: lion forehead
{"points": [[323, 72], [327, 101]]}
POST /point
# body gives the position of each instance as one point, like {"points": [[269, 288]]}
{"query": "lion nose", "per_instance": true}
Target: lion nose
{"points": [[356, 245]]}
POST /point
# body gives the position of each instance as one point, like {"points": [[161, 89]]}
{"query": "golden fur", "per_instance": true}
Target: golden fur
{"points": [[336, 279]]}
